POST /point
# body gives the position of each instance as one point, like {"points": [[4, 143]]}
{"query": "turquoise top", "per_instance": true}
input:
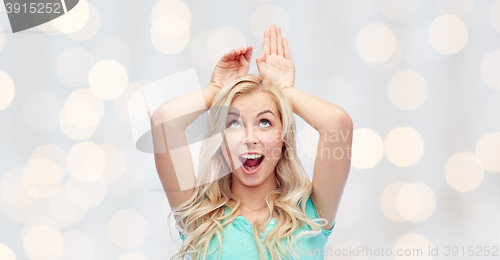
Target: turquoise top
{"points": [[238, 242]]}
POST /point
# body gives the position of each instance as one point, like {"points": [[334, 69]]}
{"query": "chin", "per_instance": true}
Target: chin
{"points": [[251, 180]]}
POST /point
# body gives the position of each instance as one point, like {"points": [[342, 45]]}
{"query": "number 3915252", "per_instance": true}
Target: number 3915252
{"points": [[40, 8]]}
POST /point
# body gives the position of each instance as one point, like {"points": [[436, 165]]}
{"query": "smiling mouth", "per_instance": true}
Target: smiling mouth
{"points": [[251, 164]]}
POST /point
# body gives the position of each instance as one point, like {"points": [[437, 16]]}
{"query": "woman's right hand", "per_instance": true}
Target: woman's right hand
{"points": [[276, 59], [232, 65]]}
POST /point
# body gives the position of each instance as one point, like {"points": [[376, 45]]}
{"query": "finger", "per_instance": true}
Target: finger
{"points": [[266, 42], [262, 55], [225, 57], [243, 61], [260, 61], [248, 53], [228, 56], [286, 49], [273, 39], [235, 55], [280, 43], [242, 51]]}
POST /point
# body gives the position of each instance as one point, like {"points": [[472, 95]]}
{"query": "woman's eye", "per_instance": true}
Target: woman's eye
{"points": [[236, 123], [267, 121], [232, 122]]}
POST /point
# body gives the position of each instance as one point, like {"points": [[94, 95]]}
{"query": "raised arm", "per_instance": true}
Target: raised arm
{"points": [[169, 122], [333, 157]]}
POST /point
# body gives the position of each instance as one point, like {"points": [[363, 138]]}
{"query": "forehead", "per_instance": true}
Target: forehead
{"points": [[253, 103]]}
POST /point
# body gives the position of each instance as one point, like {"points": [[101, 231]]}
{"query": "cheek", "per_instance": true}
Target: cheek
{"points": [[230, 150], [274, 145]]}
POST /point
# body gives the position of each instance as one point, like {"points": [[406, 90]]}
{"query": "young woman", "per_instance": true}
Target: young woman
{"points": [[267, 207]]}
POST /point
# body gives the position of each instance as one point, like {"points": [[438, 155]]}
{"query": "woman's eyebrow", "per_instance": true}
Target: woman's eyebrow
{"points": [[261, 113], [265, 111], [234, 114]]}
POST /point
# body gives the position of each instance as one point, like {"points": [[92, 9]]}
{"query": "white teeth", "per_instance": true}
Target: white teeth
{"points": [[251, 156]]}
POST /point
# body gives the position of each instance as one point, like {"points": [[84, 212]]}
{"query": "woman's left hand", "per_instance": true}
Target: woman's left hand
{"points": [[232, 65], [276, 59]]}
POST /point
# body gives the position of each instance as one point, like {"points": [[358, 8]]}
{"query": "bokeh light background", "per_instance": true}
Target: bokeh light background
{"points": [[420, 79]]}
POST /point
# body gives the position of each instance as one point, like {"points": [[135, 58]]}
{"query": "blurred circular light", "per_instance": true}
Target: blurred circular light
{"points": [[411, 244], [404, 146], [427, 199], [176, 7], [54, 153], [391, 63], [87, 95], [86, 161], [488, 151], [448, 34], [5, 252], [389, 201], [407, 90], [464, 172], [367, 148], [42, 177], [90, 28], [408, 201], [43, 241], [170, 34], [45, 171], [81, 113], [127, 229], [375, 43], [108, 79], [74, 20], [71, 130]]}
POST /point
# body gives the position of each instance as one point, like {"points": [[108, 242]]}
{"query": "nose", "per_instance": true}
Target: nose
{"points": [[251, 136]]}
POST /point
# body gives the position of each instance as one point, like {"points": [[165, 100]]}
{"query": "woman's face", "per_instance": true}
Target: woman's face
{"points": [[253, 126]]}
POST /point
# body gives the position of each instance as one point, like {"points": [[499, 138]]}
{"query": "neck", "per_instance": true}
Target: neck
{"points": [[254, 197]]}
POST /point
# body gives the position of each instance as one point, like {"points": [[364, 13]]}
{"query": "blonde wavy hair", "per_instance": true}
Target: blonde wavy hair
{"points": [[202, 215]]}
